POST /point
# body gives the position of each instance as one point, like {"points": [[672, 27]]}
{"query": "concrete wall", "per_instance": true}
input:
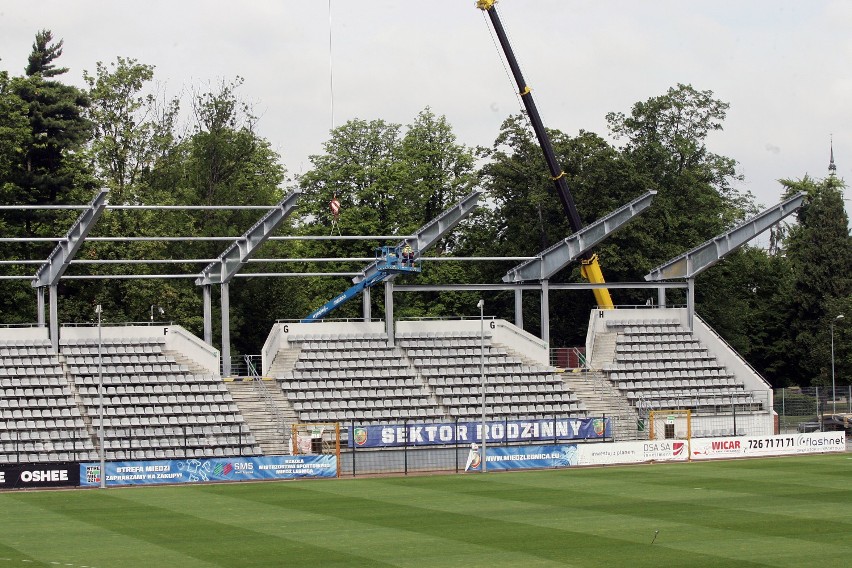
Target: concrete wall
{"points": [[180, 340], [23, 333]]}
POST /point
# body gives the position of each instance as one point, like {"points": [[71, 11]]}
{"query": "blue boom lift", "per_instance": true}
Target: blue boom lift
{"points": [[390, 261]]}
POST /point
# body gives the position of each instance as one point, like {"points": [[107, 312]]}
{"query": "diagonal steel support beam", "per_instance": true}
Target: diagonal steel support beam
{"points": [[702, 257], [427, 235], [557, 257], [232, 260], [57, 263]]}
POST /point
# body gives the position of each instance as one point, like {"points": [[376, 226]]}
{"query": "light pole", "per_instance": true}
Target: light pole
{"points": [[833, 395], [160, 308], [481, 306], [98, 311]]}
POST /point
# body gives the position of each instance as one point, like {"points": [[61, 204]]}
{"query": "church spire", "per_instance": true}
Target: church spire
{"points": [[832, 169]]}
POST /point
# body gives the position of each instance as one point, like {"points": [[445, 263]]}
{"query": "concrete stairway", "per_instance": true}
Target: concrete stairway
{"points": [[603, 399], [181, 359], [272, 434], [597, 392], [603, 351]]}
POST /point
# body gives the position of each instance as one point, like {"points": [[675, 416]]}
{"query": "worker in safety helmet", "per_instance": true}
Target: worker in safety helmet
{"points": [[407, 255]]}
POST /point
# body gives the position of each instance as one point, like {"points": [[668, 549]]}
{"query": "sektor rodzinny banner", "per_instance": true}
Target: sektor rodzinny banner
{"points": [[443, 433], [212, 469]]}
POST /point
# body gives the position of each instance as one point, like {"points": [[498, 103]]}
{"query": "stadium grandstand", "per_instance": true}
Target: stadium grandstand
{"points": [[76, 392], [164, 396]]}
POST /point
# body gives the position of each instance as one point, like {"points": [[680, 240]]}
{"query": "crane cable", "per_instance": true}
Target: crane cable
{"points": [[330, 65], [508, 73]]}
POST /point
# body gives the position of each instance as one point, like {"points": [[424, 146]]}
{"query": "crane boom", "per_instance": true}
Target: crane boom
{"points": [[590, 269]]}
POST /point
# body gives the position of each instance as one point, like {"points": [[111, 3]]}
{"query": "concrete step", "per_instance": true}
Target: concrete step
{"points": [[602, 399], [181, 359], [272, 436]]}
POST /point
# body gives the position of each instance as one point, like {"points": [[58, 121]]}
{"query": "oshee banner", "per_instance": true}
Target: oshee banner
{"points": [[25, 476], [204, 470], [754, 446], [468, 432]]}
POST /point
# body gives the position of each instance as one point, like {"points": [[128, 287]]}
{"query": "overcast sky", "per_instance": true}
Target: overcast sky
{"points": [[783, 65]]}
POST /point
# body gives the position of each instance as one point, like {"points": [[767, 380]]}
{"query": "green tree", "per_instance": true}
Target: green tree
{"points": [[43, 55], [42, 141], [133, 128], [222, 161], [666, 137], [819, 250], [52, 167], [14, 130], [389, 180]]}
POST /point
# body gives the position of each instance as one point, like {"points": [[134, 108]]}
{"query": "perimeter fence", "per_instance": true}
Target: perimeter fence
{"points": [[813, 409], [412, 447]]}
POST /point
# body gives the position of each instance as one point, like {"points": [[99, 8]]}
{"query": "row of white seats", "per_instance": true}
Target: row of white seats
{"points": [[385, 415], [48, 457], [663, 341], [519, 411], [67, 411], [302, 337], [349, 364], [664, 365], [77, 435], [450, 379], [143, 359], [21, 427], [164, 409], [203, 389], [6, 352], [535, 389], [455, 352], [165, 420], [191, 453], [31, 381], [44, 401], [161, 379], [458, 334], [163, 431], [72, 342], [490, 360], [34, 372], [352, 374], [29, 361], [147, 369], [355, 404], [340, 384], [33, 392], [356, 394]]}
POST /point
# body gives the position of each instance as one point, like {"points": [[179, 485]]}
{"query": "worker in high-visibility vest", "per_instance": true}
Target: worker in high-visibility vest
{"points": [[407, 255]]}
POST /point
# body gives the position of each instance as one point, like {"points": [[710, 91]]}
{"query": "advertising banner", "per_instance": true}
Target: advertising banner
{"points": [[204, 470], [526, 457], [426, 434], [568, 455], [632, 452], [755, 446], [27, 476]]}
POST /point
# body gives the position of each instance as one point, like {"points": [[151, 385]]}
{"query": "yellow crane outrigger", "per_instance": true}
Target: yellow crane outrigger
{"points": [[589, 268]]}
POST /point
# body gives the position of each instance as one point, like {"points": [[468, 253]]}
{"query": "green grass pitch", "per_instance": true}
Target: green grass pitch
{"points": [[770, 512]]}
